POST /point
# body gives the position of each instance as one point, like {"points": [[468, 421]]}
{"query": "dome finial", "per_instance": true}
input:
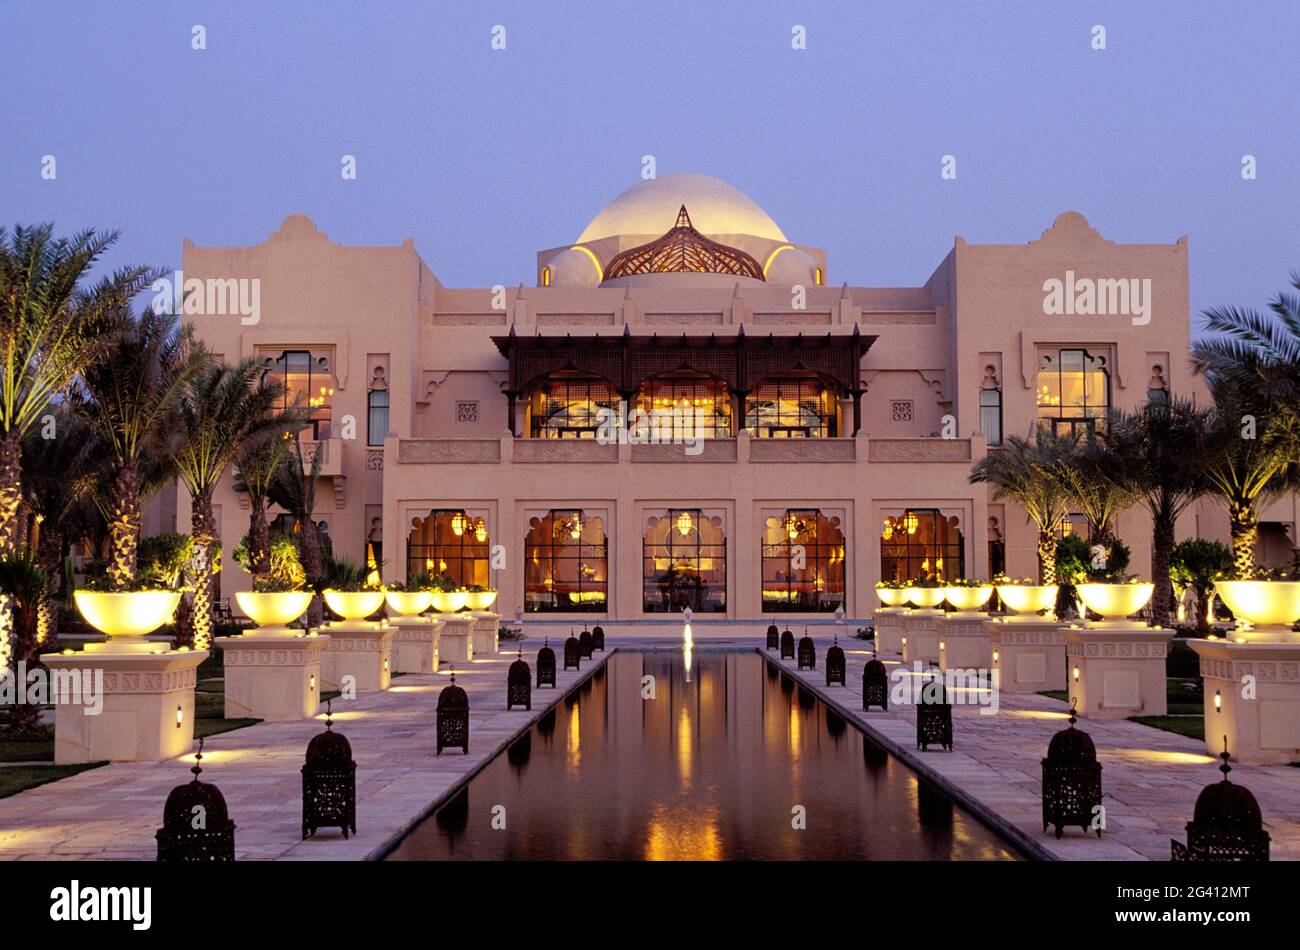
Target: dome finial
{"points": [[198, 757]]}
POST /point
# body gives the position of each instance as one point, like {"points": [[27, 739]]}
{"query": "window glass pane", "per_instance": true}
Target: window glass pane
{"points": [[791, 408], [565, 563], [449, 543], [803, 562], [684, 558], [377, 424], [570, 408], [921, 544]]}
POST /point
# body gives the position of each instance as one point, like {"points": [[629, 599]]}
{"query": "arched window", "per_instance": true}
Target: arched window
{"points": [[684, 554], [308, 384], [451, 543], [568, 407], [991, 415], [803, 562], [546, 277], [565, 563], [819, 276], [791, 408], [921, 544], [1073, 390], [376, 416], [686, 406]]}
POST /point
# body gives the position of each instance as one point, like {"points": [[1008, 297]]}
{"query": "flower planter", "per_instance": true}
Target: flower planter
{"points": [[354, 605], [892, 596], [450, 601], [481, 599], [928, 597], [274, 611], [408, 603], [1027, 598], [1269, 609], [1115, 602], [126, 616], [968, 598]]}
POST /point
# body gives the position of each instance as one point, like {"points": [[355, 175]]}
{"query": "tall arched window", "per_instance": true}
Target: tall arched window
{"points": [[803, 562], [1073, 390], [568, 407], [921, 544], [565, 563], [451, 543], [376, 416], [308, 384], [684, 555]]}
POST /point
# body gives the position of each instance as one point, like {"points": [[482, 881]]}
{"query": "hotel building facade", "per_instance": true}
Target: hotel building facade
{"points": [[689, 409]]}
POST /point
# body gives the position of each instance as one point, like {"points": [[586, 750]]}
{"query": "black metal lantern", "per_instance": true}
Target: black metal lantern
{"points": [[1071, 780], [773, 637], [546, 665], [598, 638], [836, 663], [329, 782], [934, 716], [1226, 824], [787, 645], [453, 717], [875, 684], [807, 652], [519, 684], [196, 825], [585, 646], [572, 652]]}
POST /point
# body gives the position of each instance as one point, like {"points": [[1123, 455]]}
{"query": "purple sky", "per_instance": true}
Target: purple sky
{"points": [[483, 157]]}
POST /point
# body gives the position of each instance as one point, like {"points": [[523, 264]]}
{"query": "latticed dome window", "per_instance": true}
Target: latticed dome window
{"points": [[683, 250]]}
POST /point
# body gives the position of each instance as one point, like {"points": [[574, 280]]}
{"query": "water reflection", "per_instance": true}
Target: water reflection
{"points": [[710, 768]]}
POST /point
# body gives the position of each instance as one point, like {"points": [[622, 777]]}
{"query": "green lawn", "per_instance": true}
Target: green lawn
{"points": [[1191, 726], [18, 778]]}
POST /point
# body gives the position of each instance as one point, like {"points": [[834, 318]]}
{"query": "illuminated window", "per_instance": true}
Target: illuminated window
{"points": [[449, 542], [308, 383], [1073, 390], [991, 415], [819, 276], [377, 416], [546, 277], [791, 409], [569, 407], [687, 406], [684, 554], [803, 562], [1075, 524], [565, 563], [921, 544]]}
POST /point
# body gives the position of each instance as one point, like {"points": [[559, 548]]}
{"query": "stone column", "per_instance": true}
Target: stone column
{"points": [[1252, 696], [415, 644], [964, 642], [456, 642], [921, 636], [359, 649], [1028, 653], [486, 627], [275, 678], [1115, 672]]}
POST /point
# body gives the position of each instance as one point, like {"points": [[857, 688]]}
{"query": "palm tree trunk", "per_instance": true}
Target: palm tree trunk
{"points": [[24, 716], [1047, 556], [1245, 529], [49, 556], [11, 488], [312, 566], [124, 526], [1162, 547], [259, 541], [203, 529]]}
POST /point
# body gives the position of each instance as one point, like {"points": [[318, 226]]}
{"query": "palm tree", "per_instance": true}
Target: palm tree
{"points": [[1027, 473], [127, 395], [255, 474], [1161, 446], [294, 490], [1092, 477], [24, 583], [1255, 351], [225, 410]]}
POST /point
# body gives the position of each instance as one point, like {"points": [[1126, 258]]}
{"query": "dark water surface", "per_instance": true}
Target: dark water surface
{"points": [[710, 768]]}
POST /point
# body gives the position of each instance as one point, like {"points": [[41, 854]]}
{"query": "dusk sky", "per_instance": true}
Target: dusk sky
{"points": [[484, 156]]}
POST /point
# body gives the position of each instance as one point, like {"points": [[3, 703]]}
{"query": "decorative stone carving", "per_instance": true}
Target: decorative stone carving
{"points": [[448, 451], [918, 450]]}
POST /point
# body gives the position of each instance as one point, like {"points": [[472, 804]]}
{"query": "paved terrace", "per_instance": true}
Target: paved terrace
{"points": [[1150, 778]]}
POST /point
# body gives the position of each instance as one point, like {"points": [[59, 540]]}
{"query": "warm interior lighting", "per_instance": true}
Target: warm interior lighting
{"points": [[684, 524], [480, 530], [1218, 701], [888, 533], [458, 524], [911, 521], [180, 717]]}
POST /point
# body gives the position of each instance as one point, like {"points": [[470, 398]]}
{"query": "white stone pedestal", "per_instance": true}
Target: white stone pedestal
{"points": [[147, 701], [361, 649], [963, 642], [889, 629], [1028, 653], [1121, 669], [276, 677], [1262, 726], [921, 636], [456, 642], [415, 644], [486, 627]]}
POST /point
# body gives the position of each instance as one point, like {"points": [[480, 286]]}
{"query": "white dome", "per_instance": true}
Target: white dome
{"points": [[574, 268], [792, 266], [650, 208]]}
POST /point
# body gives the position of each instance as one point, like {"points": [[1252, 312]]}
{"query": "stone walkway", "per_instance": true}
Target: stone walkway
{"points": [[1150, 778], [112, 812]]}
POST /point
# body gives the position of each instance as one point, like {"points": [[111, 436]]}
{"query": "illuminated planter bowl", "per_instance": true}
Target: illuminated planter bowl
{"points": [[450, 601], [925, 596], [1027, 598], [481, 599], [1269, 606], [126, 616], [354, 605], [274, 609], [409, 603], [1115, 601], [892, 596], [968, 598]]}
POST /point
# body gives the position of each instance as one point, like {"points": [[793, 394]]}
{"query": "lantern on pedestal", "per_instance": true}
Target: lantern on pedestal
{"points": [[875, 684], [329, 782], [572, 652], [585, 646], [194, 803], [934, 716], [1071, 780], [807, 652], [787, 645], [773, 637], [546, 665], [836, 663], [598, 638], [519, 684], [453, 717], [1226, 824]]}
